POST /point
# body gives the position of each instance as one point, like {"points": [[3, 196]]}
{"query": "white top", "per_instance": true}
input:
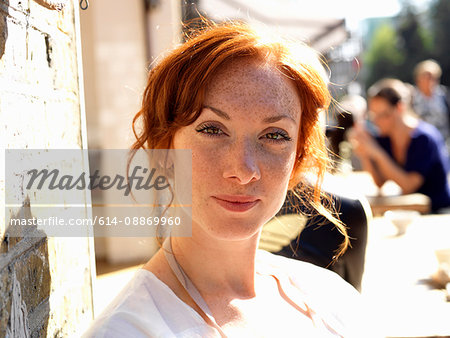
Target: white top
{"points": [[147, 307]]}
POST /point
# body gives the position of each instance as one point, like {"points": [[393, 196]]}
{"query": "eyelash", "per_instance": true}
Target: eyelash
{"points": [[204, 127], [217, 132], [284, 136]]}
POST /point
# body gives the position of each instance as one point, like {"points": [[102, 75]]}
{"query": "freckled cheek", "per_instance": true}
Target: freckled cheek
{"points": [[279, 167], [205, 163]]}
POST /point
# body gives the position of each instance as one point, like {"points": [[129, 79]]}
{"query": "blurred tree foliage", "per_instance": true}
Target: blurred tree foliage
{"points": [[440, 20], [383, 57], [415, 42], [398, 46]]}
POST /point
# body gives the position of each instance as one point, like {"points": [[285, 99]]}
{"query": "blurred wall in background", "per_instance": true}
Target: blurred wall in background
{"points": [[120, 41]]}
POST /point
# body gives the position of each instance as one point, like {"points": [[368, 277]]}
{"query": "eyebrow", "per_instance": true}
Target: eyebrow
{"points": [[270, 119], [219, 112]]}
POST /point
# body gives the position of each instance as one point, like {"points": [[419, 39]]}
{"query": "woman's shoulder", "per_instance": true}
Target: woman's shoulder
{"points": [[124, 315], [330, 296], [306, 276], [427, 130], [291, 266], [146, 307], [427, 136]]}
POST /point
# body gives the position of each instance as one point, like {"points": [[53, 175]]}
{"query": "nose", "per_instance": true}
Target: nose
{"points": [[242, 164]]}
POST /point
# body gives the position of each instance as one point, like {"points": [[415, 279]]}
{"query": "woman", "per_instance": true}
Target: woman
{"points": [[248, 108], [407, 151]]}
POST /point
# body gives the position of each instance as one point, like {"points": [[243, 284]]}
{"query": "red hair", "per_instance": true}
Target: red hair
{"points": [[175, 93]]}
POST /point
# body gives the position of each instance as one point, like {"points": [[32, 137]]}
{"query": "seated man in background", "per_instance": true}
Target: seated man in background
{"points": [[406, 150]]}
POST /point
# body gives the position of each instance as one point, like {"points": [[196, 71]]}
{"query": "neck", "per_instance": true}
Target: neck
{"points": [[404, 126], [427, 92], [227, 266]]}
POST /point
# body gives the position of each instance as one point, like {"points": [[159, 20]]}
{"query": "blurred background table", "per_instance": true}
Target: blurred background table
{"points": [[381, 204], [397, 285], [388, 197]]}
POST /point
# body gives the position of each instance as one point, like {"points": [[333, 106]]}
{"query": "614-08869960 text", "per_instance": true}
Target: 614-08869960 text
{"points": [[152, 220]]}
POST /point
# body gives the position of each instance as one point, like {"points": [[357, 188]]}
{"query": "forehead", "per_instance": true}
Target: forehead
{"points": [[425, 75], [253, 84], [379, 104]]}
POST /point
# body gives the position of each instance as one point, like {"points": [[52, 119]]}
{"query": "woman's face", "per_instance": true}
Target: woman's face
{"points": [[243, 149], [383, 115]]}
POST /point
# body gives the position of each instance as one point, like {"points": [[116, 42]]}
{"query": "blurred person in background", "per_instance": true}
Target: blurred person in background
{"points": [[406, 150], [431, 101], [351, 110]]}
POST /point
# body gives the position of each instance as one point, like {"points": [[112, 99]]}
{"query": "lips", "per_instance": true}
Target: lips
{"points": [[236, 203]]}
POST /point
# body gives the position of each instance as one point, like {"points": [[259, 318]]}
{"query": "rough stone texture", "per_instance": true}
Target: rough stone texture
{"points": [[5, 300], [32, 272], [45, 283]]}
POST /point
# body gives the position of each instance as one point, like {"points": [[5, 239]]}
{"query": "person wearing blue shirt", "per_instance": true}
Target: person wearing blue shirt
{"points": [[406, 150]]}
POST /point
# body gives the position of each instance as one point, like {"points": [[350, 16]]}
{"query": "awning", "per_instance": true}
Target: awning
{"points": [[284, 16]]}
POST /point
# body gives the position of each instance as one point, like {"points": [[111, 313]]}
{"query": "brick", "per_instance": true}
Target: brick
{"points": [[5, 299], [38, 320], [3, 31], [33, 274]]}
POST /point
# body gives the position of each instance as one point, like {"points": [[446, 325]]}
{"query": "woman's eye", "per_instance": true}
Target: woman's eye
{"points": [[278, 136], [209, 130]]}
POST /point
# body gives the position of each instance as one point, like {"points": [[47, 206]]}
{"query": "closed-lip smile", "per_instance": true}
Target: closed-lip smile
{"points": [[236, 203]]}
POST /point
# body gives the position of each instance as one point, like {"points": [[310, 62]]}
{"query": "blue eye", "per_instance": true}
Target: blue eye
{"points": [[209, 130]]}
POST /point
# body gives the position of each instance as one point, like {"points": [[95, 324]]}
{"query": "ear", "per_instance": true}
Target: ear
{"points": [[401, 107]]}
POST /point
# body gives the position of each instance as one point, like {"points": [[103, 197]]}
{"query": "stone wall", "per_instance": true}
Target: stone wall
{"points": [[45, 282]]}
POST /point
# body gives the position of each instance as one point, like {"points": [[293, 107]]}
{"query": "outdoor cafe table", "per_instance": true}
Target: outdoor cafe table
{"points": [[388, 197], [397, 285]]}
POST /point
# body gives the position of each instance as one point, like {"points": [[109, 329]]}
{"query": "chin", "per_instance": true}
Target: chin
{"points": [[217, 222], [229, 228]]}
